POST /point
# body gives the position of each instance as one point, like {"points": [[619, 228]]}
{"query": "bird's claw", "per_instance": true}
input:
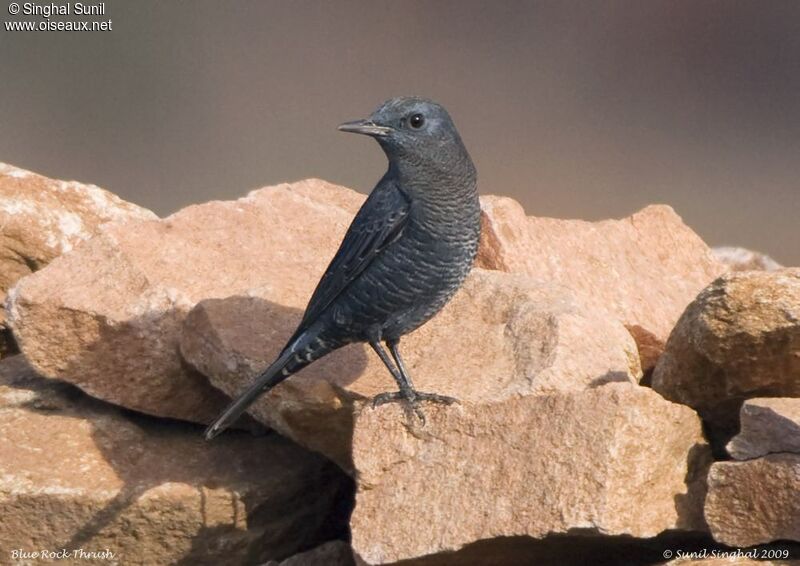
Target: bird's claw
{"points": [[412, 400]]}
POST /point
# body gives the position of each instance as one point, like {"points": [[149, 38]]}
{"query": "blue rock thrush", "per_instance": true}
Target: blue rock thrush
{"points": [[407, 252]]}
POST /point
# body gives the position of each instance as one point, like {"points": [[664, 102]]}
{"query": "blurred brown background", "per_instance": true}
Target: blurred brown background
{"points": [[577, 109]]}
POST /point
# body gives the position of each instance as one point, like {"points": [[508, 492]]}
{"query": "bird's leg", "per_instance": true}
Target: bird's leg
{"points": [[406, 389], [407, 392], [432, 397]]}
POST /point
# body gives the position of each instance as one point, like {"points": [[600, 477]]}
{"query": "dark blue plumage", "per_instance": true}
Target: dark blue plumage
{"points": [[406, 253]]}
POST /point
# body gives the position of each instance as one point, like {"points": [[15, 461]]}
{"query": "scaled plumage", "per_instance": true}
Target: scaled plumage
{"points": [[406, 253]]}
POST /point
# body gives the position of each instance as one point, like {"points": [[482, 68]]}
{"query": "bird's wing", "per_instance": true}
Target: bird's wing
{"points": [[378, 223]]}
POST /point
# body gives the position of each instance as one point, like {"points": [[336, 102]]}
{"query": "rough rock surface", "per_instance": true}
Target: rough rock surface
{"points": [[532, 466], [500, 337], [78, 474], [114, 307], [107, 316], [644, 268], [767, 425], [756, 501], [741, 259], [41, 218], [739, 339]]}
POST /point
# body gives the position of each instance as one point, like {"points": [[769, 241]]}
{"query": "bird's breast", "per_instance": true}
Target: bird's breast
{"points": [[413, 277]]}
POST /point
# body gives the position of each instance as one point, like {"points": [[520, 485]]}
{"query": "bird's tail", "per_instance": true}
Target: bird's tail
{"points": [[268, 379]]}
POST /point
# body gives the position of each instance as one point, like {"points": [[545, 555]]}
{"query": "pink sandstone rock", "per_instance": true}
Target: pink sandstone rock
{"points": [[613, 460], [756, 501], [76, 473], [107, 316], [739, 339], [643, 269], [501, 337], [42, 218]]}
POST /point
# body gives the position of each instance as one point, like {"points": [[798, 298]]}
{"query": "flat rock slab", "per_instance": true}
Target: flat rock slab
{"points": [[767, 425], [42, 218], [756, 501], [107, 316], [739, 339], [502, 336], [78, 474], [644, 269], [613, 460]]}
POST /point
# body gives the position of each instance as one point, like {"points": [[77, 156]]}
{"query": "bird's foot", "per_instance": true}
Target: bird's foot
{"points": [[412, 400]]}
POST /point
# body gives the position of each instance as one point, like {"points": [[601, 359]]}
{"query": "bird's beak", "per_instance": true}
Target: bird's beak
{"points": [[366, 127]]}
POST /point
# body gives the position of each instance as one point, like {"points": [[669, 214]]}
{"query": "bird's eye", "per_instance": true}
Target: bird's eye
{"points": [[416, 121]]}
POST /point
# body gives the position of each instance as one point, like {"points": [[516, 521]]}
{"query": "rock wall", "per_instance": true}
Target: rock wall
{"points": [[134, 331]]}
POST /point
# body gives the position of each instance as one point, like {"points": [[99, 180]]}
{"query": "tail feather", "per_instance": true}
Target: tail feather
{"points": [[268, 379]]}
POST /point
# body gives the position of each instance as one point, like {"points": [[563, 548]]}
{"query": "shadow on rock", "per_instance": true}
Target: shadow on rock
{"points": [[156, 492], [578, 548], [232, 340]]}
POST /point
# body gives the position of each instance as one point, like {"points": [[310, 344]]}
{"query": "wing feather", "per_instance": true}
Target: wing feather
{"points": [[378, 223]]}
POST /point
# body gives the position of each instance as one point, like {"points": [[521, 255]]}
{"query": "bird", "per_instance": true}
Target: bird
{"points": [[407, 251]]}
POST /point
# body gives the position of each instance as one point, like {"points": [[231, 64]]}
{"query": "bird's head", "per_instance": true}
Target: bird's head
{"points": [[410, 127]]}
